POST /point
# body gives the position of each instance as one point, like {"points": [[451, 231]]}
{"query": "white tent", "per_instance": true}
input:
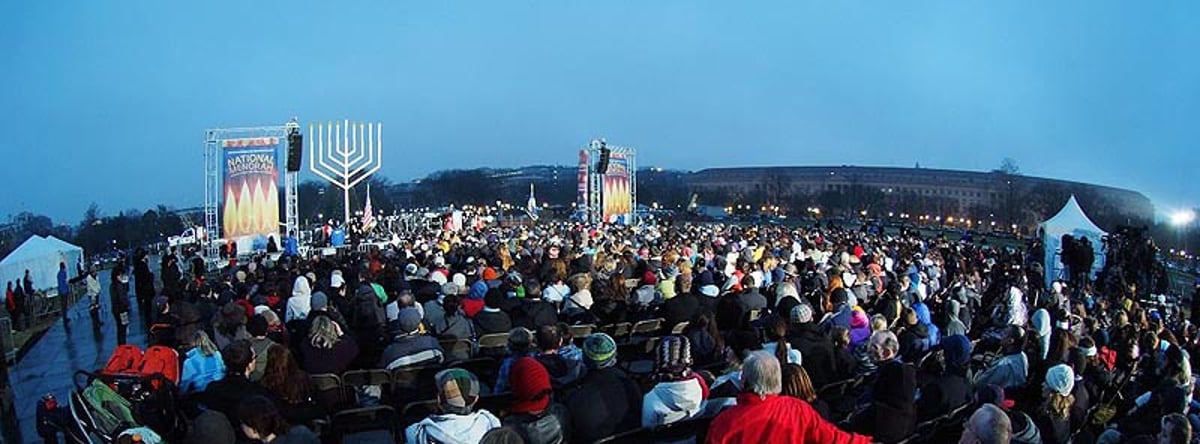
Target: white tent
{"points": [[1069, 220], [41, 256]]}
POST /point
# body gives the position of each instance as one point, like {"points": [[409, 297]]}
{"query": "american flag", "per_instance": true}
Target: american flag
{"points": [[368, 219]]}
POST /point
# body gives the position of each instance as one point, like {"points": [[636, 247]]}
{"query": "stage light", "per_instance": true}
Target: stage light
{"points": [[1182, 218]]}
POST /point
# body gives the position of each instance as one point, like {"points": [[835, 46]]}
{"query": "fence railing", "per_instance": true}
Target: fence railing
{"points": [[7, 342]]}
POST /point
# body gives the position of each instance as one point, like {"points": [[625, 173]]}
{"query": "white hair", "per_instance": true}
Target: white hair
{"points": [[762, 375], [991, 425]]}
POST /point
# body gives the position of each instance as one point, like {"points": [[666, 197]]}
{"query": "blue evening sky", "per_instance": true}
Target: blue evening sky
{"points": [[108, 101]]}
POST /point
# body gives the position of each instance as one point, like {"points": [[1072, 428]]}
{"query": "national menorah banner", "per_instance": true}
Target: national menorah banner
{"points": [[250, 204], [618, 198]]}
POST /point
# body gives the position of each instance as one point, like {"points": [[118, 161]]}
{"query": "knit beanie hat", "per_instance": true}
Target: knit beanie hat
{"points": [[673, 359], [1060, 379], [530, 384], [458, 390], [802, 314], [601, 350]]}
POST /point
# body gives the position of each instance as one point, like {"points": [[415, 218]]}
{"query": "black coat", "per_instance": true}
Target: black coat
{"points": [[534, 313], [891, 415], [225, 395], [681, 308], [942, 395], [607, 402], [820, 360], [492, 322]]}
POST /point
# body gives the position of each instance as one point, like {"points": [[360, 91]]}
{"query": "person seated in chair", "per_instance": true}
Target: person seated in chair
{"points": [[457, 421], [409, 346]]}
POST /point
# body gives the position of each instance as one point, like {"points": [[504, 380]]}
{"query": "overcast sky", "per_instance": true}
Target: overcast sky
{"points": [[108, 101]]}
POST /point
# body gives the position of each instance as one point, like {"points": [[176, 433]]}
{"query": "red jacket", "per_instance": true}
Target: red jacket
{"points": [[776, 419]]}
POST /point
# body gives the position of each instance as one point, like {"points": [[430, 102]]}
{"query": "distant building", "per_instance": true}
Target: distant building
{"points": [[960, 191]]}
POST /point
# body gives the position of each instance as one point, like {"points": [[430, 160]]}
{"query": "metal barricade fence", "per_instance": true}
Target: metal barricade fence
{"points": [[7, 344]]}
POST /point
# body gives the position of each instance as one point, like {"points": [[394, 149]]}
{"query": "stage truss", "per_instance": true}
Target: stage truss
{"points": [[595, 180], [212, 182]]}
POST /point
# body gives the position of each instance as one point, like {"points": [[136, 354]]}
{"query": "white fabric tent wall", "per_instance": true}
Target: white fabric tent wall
{"points": [[41, 256], [1070, 220]]}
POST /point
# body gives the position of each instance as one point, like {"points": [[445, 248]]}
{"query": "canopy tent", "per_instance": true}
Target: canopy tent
{"points": [[1069, 220], [41, 256]]}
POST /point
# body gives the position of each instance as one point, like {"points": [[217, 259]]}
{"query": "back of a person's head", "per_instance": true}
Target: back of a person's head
{"points": [[260, 416], [201, 342], [1176, 429], [989, 425], [237, 356], [797, 384], [761, 374], [493, 298], [519, 340], [549, 337], [502, 435]]}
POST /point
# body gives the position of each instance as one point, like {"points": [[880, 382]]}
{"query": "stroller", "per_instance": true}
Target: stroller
{"points": [[134, 393]]}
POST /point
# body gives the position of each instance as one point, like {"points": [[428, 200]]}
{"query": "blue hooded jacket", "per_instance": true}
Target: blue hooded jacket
{"points": [[925, 319]]}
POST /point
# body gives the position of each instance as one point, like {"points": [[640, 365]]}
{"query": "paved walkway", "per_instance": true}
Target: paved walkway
{"points": [[49, 366]]}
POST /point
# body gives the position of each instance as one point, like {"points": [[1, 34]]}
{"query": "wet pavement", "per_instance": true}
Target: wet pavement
{"points": [[48, 367]]}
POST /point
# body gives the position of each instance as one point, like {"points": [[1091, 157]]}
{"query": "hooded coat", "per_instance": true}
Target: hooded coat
{"points": [[915, 342], [675, 401], [954, 326], [452, 429], [924, 318], [1040, 321], [300, 303]]}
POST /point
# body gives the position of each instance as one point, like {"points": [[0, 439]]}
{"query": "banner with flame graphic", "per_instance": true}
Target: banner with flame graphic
{"points": [[250, 195], [617, 197]]}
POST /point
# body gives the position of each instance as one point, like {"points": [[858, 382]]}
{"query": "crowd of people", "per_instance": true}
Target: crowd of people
{"points": [[760, 325]]}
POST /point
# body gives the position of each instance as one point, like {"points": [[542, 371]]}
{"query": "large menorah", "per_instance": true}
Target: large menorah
{"points": [[345, 154]]}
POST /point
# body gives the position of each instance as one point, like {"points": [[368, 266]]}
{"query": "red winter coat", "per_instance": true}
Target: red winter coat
{"points": [[776, 419]]}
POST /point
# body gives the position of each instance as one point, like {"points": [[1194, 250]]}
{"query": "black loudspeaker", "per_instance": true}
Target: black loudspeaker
{"points": [[295, 149], [602, 165]]}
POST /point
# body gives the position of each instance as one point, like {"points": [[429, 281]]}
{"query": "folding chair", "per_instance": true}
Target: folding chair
{"points": [[483, 368], [495, 345], [646, 327], [416, 411], [358, 378], [635, 435], [617, 331], [457, 349], [414, 383], [357, 421], [328, 391], [581, 331], [679, 328], [688, 430]]}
